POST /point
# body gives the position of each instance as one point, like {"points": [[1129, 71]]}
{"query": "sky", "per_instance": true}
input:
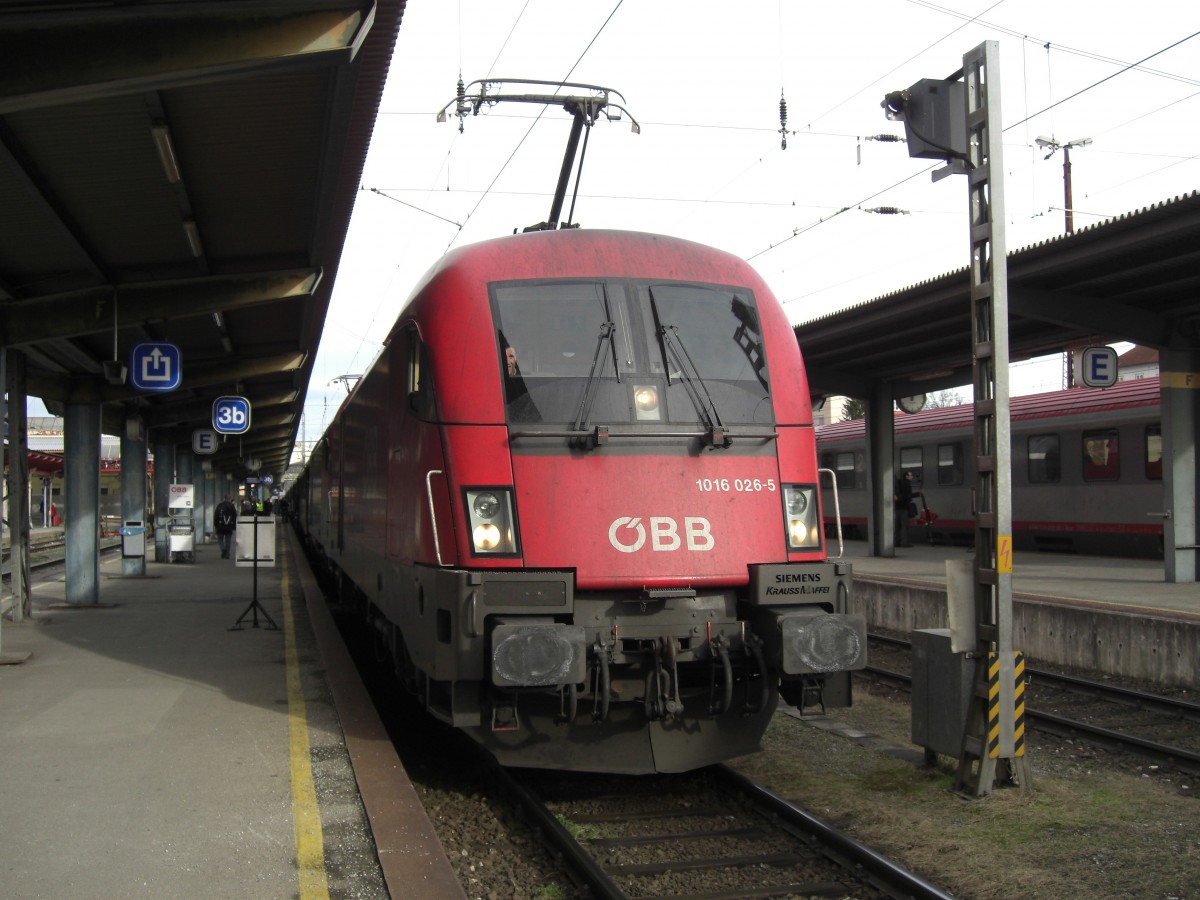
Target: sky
{"points": [[704, 81]]}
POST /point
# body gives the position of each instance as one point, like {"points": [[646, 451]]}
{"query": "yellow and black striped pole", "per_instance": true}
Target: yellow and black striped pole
{"points": [[994, 705]]}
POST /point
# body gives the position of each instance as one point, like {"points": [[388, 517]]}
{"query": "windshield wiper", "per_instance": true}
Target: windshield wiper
{"points": [[673, 350], [607, 331]]}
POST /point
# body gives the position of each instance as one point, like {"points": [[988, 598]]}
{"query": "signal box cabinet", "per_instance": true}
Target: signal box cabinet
{"points": [[942, 682]]}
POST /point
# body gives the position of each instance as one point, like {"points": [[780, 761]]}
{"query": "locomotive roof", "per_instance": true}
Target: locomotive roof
{"points": [[596, 251], [1077, 401]]}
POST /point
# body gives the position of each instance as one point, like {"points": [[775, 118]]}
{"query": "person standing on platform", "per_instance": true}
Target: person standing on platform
{"points": [[225, 521], [904, 507]]}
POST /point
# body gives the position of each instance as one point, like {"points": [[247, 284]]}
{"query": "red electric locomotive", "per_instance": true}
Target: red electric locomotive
{"points": [[577, 495]]}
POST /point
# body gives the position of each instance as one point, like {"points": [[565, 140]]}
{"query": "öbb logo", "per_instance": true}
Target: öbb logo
{"points": [[628, 534]]}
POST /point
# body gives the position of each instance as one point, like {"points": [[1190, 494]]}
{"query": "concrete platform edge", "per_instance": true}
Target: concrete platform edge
{"points": [[1132, 642], [413, 861]]}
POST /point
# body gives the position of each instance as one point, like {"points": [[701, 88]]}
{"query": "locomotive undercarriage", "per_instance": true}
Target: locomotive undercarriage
{"points": [[666, 676], [646, 705], [544, 675], [547, 676]]}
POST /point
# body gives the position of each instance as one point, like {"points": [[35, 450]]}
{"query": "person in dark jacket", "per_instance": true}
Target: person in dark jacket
{"points": [[224, 523], [904, 506]]}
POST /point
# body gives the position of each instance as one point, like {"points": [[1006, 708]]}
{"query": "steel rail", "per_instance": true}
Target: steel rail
{"points": [[576, 856], [1186, 760], [856, 857], [891, 877], [1183, 708]]}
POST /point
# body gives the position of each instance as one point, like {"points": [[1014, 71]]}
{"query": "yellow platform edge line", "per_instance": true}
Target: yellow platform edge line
{"points": [[306, 815]]}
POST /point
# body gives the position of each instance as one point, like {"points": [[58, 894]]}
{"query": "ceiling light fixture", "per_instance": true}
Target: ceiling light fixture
{"points": [[166, 152], [192, 233]]}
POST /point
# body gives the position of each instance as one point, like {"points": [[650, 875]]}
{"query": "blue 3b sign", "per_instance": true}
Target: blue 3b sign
{"points": [[231, 415]]}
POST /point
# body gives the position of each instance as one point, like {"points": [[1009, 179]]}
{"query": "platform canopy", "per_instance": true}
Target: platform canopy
{"points": [[1134, 278], [184, 173]]}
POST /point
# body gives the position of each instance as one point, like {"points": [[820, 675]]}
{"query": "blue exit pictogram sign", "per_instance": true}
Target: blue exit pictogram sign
{"points": [[155, 366]]}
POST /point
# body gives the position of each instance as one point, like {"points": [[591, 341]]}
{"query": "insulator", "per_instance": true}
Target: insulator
{"points": [[461, 95], [782, 122]]}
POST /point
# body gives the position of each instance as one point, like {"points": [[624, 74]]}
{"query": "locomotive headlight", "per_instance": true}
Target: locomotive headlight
{"points": [[486, 537], [800, 517], [491, 521], [485, 505], [797, 501], [645, 403]]}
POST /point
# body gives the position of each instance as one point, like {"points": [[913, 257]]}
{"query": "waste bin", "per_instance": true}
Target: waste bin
{"points": [[133, 538]]}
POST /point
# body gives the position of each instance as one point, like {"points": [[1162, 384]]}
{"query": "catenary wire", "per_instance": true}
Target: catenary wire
{"points": [[1128, 67]]}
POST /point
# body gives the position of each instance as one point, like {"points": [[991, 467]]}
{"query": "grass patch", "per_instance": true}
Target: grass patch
{"points": [[1086, 830], [581, 833]]}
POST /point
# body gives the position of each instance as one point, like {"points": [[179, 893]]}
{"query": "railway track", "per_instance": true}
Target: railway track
{"points": [[1161, 728], [45, 543], [711, 835], [706, 835], [50, 550]]}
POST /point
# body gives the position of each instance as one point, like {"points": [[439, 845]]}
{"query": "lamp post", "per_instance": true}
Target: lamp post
{"points": [[1054, 146]]}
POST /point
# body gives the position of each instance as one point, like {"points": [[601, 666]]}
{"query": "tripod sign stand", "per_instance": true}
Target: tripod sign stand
{"points": [[255, 607]]}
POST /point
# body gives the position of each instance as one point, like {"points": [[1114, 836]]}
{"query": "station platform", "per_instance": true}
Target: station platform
{"points": [[151, 749], [1103, 614]]}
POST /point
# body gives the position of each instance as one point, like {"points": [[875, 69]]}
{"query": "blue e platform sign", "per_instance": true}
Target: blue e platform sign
{"points": [[155, 366], [1098, 367]]}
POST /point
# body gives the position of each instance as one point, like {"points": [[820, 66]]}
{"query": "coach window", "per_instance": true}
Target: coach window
{"points": [[843, 465], [912, 459], [949, 464], [1045, 459], [1101, 455], [1154, 452]]}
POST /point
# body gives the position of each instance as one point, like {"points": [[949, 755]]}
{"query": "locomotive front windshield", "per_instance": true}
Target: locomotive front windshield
{"points": [[586, 353]]}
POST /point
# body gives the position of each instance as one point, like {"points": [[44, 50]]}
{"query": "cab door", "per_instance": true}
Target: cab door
{"points": [[420, 526]]}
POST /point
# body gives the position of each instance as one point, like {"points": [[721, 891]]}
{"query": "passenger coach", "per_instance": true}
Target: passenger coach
{"points": [[1086, 470]]}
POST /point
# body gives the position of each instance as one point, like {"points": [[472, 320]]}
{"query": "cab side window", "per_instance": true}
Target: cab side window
{"points": [[421, 399]]}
